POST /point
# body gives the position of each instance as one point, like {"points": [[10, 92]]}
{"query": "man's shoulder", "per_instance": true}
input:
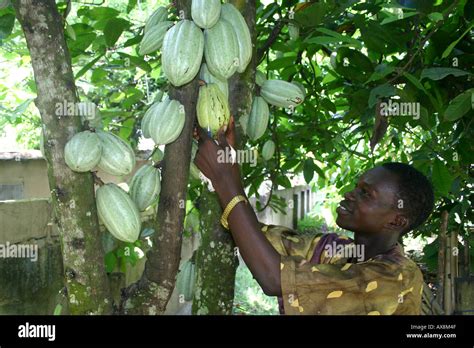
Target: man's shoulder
{"points": [[398, 262]]}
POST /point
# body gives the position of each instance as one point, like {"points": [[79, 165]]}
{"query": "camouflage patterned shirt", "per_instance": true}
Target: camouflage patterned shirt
{"points": [[317, 278]]}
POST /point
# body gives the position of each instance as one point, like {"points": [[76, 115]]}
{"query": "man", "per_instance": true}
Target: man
{"points": [[327, 274]]}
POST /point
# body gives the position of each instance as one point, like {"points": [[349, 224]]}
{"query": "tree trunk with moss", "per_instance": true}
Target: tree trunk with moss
{"points": [[216, 258], [72, 193], [151, 294]]}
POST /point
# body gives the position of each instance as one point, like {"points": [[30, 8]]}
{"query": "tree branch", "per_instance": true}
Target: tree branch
{"points": [[438, 25], [152, 293], [72, 193], [271, 39]]}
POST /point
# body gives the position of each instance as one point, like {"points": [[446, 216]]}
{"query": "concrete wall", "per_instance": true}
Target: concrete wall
{"points": [[28, 286], [32, 287], [299, 200], [464, 296], [32, 174], [30, 171], [23, 220]]}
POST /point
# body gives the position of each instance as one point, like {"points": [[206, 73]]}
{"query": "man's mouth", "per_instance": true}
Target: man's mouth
{"points": [[343, 208]]}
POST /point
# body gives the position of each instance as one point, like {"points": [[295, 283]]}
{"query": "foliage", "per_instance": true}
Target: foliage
{"points": [[383, 52], [249, 297], [123, 256], [312, 225], [350, 56], [327, 139]]}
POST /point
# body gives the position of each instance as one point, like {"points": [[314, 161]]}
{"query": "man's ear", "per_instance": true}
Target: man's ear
{"points": [[399, 223]]}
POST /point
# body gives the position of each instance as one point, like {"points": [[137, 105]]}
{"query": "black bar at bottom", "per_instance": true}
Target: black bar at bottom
{"points": [[287, 330]]}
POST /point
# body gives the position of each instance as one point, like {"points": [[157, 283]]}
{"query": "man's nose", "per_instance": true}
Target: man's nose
{"points": [[349, 195]]}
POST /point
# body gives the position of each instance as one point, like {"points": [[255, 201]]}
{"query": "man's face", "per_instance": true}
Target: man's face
{"points": [[370, 208]]}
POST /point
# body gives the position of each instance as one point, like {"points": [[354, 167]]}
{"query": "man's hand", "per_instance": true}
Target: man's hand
{"points": [[212, 158], [259, 255]]}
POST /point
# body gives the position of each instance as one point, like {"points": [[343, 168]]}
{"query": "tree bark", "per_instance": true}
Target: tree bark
{"points": [[442, 256], [72, 193], [152, 293], [216, 259], [466, 257]]}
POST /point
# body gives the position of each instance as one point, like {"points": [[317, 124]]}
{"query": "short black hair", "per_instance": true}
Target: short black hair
{"points": [[415, 191]]}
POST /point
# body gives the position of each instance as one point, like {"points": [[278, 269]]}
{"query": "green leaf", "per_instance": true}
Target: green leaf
{"points": [[384, 90], [129, 60], [126, 129], [84, 38], [353, 65], [435, 16], [20, 109], [441, 73], [320, 172], [110, 262], [70, 31], [280, 63], [396, 18], [308, 170], [58, 309], [340, 37], [282, 180], [459, 106], [328, 105], [311, 16], [442, 180], [7, 22], [323, 40], [281, 46], [380, 72], [131, 5], [414, 81], [448, 50], [88, 66], [113, 29], [98, 76], [98, 13]]}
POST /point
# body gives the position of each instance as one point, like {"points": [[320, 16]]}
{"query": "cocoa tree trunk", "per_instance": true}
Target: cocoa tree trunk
{"points": [[72, 193], [216, 259], [152, 293], [442, 256]]}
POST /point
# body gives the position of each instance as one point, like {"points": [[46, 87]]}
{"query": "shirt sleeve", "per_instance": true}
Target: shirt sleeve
{"points": [[299, 246], [374, 287]]}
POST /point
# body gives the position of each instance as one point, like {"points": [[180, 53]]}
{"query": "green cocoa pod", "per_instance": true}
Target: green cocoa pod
{"points": [[221, 50], [242, 32], [268, 150], [157, 107], [282, 93], [182, 52], [167, 122], [145, 186], [117, 157], [258, 119], [160, 15], [212, 108], [207, 77], [153, 39], [206, 13], [186, 280], [83, 151], [118, 213]]}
